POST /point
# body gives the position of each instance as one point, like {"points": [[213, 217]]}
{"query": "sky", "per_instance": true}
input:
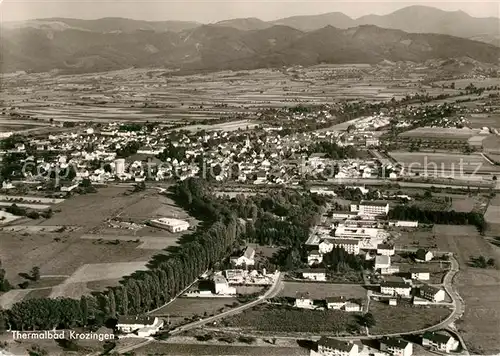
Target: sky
{"points": [[209, 11]]}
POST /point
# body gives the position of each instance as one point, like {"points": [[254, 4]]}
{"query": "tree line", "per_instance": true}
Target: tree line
{"points": [[405, 212]]}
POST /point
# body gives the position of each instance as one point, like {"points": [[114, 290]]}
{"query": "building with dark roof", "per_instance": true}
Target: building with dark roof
{"points": [[396, 346], [332, 347]]}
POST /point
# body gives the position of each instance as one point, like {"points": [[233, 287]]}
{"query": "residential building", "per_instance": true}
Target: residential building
{"points": [[172, 225], [335, 302], [395, 288], [302, 300], [389, 270], [349, 245], [396, 346], [385, 250], [222, 285], [247, 259], [143, 326], [423, 256], [440, 342], [432, 293], [373, 208], [420, 274], [382, 262], [316, 274], [332, 347], [314, 257]]}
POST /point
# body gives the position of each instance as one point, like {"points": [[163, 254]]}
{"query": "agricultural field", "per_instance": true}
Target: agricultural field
{"points": [[157, 348], [286, 319], [404, 317], [78, 251], [446, 164], [463, 83], [480, 325], [323, 290], [184, 308]]}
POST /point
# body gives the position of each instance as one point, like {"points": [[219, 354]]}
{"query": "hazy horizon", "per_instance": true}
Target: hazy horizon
{"points": [[213, 11]]}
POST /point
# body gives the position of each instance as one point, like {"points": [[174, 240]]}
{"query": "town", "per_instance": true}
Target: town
{"points": [[330, 209]]}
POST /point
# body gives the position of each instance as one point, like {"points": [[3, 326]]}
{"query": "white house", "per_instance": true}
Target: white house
{"points": [[382, 262], [396, 346], [303, 300], [247, 259], [395, 288], [441, 342], [315, 274], [420, 274], [332, 347], [235, 276], [385, 250], [142, 325], [172, 225], [432, 293], [314, 257], [423, 255], [222, 286], [7, 185]]}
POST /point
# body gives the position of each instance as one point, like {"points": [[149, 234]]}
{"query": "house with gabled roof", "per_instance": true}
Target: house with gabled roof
{"points": [[328, 346]]}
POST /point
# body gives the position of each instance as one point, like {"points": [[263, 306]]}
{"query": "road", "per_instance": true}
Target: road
{"points": [[271, 293]]}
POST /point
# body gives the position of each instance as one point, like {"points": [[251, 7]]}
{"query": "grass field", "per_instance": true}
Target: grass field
{"points": [[480, 325], [157, 348], [323, 290], [187, 307], [404, 318], [421, 238]]}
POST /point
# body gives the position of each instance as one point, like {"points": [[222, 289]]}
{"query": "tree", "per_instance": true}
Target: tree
{"points": [[5, 286], [491, 262], [35, 273], [368, 320]]}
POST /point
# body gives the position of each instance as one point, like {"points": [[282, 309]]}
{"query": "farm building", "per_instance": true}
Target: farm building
{"points": [[172, 225], [332, 347], [396, 346], [438, 341], [142, 325]]}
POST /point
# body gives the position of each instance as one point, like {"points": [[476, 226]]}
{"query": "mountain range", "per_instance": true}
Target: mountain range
{"points": [[72, 45]]}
